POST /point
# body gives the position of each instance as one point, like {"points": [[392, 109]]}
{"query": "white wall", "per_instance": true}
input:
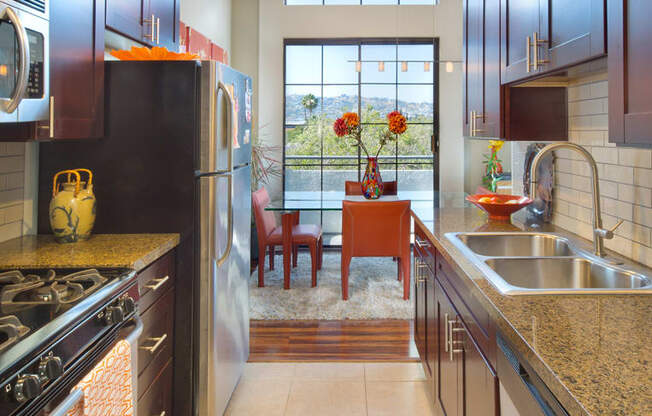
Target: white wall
{"points": [[244, 44], [210, 17], [277, 22]]}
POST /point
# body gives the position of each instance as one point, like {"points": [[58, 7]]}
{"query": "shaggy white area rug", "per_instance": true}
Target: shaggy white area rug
{"points": [[374, 292]]}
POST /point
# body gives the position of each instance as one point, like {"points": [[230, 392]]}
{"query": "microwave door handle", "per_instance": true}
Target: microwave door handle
{"points": [[10, 105], [68, 403]]}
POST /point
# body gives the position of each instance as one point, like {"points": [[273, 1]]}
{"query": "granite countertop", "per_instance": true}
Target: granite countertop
{"points": [[592, 351], [133, 251]]}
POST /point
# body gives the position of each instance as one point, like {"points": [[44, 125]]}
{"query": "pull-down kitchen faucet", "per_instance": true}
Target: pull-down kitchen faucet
{"points": [[599, 233]]}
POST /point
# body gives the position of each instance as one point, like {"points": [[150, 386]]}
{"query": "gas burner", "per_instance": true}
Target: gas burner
{"points": [[11, 330], [21, 292]]}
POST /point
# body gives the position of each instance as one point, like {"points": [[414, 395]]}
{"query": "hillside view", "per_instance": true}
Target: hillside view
{"points": [[335, 106], [314, 136]]}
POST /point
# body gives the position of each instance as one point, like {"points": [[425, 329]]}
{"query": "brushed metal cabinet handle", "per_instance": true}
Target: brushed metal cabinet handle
{"points": [[158, 283], [158, 342], [152, 23]]}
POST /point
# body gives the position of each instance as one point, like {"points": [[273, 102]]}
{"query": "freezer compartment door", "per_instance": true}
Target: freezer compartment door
{"points": [[225, 228], [226, 113]]}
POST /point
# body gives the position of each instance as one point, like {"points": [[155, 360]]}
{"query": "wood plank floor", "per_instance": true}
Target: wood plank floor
{"points": [[346, 340]]}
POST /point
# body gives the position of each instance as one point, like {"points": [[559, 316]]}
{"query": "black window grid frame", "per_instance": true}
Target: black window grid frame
{"points": [[359, 42]]}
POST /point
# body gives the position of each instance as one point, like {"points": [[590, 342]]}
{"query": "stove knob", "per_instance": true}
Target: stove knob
{"points": [[129, 305], [113, 315], [27, 387], [50, 368]]}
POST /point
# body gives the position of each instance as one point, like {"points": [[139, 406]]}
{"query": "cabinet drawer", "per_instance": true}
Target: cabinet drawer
{"points": [[155, 280], [149, 374], [158, 331], [474, 315], [157, 400], [424, 247]]}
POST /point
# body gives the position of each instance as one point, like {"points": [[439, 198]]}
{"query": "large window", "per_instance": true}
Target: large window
{"points": [[358, 2], [322, 82]]}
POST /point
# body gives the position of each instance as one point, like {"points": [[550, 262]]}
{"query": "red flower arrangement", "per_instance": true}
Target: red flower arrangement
{"points": [[397, 122], [349, 126]]}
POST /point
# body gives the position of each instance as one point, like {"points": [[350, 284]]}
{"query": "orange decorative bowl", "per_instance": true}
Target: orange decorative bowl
{"points": [[499, 207], [154, 54]]}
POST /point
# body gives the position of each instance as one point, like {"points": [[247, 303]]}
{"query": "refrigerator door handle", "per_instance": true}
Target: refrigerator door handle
{"points": [[227, 175], [229, 241], [229, 144]]}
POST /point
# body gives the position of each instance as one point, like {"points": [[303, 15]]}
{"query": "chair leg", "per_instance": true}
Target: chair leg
{"points": [[320, 253], [405, 269], [398, 268], [295, 255], [346, 261], [313, 262], [261, 267], [272, 253]]}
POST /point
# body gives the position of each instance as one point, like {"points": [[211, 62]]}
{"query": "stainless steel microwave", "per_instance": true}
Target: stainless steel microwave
{"points": [[24, 65]]}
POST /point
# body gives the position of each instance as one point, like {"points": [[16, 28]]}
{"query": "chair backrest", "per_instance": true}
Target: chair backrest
{"points": [[265, 221], [376, 228], [355, 188]]}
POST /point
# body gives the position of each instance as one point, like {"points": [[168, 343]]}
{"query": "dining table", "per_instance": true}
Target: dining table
{"points": [[294, 202]]}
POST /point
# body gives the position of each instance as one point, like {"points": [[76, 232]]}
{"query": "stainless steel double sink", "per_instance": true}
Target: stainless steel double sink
{"points": [[527, 263]]}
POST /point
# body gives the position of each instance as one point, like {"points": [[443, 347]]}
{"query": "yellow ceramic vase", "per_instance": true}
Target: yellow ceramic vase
{"points": [[73, 207]]}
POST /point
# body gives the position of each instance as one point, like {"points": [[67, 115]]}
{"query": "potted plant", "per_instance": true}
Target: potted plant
{"points": [[348, 127], [264, 169]]}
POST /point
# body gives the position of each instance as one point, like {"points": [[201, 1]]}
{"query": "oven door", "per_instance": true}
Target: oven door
{"points": [[69, 396], [24, 65]]}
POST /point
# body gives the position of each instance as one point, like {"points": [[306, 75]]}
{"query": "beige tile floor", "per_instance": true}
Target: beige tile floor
{"points": [[315, 389]]}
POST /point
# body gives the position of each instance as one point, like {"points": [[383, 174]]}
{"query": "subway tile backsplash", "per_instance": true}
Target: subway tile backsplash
{"points": [[625, 176], [12, 179]]}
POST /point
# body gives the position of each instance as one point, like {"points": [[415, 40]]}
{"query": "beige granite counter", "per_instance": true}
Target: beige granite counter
{"points": [[133, 251], [592, 351]]}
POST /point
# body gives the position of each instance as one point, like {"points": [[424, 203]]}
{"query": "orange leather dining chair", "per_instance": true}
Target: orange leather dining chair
{"points": [[355, 188], [270, 235], [376, 229]]}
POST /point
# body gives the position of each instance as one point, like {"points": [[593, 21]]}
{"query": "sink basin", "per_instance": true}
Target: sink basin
{"points": [[562, 274], [531, 263], [516, 244]]}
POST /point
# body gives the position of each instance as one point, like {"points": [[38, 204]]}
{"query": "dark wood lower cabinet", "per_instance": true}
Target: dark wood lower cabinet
{"points": [[155, 346], [449, 392], [455, 340], [157, 399]]}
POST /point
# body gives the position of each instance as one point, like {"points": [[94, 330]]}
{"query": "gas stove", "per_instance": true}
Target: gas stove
{"points": [[54, 324], [28, 300]]}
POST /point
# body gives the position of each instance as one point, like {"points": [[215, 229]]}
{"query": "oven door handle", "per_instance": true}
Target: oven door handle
{"points": [[133, 336], [77, 394], [10, 105], [68, 403]]}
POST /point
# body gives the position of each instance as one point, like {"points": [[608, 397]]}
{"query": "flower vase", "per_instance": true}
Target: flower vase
{"points": [[372, 183]]}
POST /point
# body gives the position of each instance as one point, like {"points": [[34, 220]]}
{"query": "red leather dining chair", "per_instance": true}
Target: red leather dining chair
{"points": [[271, 235], [376, 229], [355, 188]]}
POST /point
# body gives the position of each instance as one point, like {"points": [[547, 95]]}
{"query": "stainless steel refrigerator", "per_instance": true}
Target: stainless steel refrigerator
{"points": [[175, 158], [224, 177]]}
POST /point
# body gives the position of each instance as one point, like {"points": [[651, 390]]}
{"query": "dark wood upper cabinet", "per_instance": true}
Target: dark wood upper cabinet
{"points": [[126, 17], [166, 13], [152, 22], [519, 20], [572, 32], [630, 78], [546, 35], [76, 70], [482, 90]]}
